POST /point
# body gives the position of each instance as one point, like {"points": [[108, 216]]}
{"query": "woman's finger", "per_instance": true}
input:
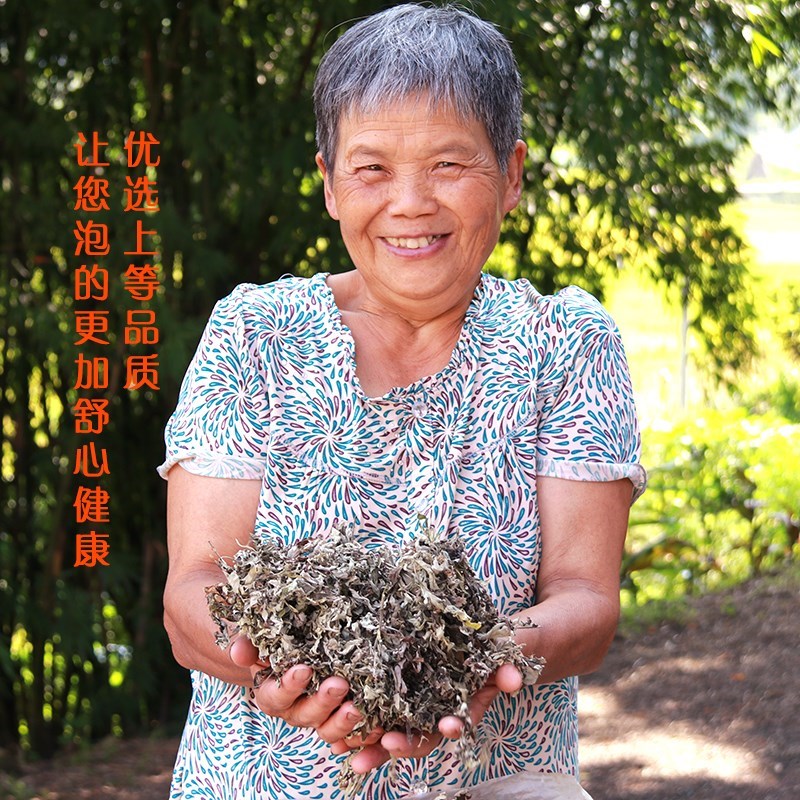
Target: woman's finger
{"points": [[339, 725], [290, 701], [400, 745], [275, 697], [243, 653], [369, 758], [356, 742], [506, 679]]}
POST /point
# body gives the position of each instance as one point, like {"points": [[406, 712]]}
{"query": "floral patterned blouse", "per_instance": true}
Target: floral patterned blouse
{"points": [[536, 385]]}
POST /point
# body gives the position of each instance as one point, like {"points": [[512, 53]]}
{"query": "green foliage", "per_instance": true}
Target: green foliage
{"points": [[790, 324], [636, 112], [722, 503], [783, 397], [14, 789], [638, 619], [633, 114]]}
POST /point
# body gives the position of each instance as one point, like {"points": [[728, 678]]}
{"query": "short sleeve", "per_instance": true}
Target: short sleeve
{"points": [[588, 429], [219, 427]]}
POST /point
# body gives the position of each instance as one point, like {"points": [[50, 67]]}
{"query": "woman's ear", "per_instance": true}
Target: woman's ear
{"points": [[330, 200], [514, 172]]}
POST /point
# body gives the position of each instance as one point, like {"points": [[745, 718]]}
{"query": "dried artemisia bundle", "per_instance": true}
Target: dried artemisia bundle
{"points": [[411, 628]]}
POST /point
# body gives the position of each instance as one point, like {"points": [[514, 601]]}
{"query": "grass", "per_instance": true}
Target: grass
{"points": [[681, 610]]}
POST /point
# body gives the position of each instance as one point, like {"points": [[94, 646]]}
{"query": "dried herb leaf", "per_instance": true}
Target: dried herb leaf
{"points": [[411, 628]]}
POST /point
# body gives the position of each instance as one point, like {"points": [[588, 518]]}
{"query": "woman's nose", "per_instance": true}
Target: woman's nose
{"points": [[412, 196]]}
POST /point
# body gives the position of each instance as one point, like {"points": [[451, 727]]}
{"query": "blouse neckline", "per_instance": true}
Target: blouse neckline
{"points": [[425, 384]]}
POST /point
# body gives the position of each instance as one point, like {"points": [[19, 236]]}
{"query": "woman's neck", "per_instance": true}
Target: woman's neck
{"points": [[396, 343]]}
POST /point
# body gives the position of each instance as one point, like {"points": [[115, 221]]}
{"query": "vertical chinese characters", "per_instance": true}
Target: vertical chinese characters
{"points": [[98, 345], [91, 328], [141, 198]]}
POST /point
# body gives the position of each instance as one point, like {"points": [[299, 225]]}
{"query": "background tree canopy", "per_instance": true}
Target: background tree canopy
{"points": [[634, 112]]}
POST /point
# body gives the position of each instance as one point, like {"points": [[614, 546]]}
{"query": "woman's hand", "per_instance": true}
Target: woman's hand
{"points": [[379, 747], [326, 711]]}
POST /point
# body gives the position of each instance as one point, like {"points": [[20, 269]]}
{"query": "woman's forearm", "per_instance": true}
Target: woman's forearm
{"points": [[575, 629], [191, 630]]}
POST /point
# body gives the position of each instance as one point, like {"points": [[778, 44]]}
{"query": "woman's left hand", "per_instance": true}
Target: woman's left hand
{"points": [[379, 747]]}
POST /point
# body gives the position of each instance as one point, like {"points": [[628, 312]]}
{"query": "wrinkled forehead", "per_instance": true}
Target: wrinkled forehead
{"points": [[414, 113]]}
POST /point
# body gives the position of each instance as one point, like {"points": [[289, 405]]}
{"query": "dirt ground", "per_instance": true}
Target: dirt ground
{"points": [[708, 709]]}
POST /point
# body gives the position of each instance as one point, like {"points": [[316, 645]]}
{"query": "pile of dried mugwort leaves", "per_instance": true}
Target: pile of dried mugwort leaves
{"points": [[411, 628]]}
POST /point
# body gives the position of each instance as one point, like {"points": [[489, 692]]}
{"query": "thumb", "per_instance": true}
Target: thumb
{"points": [[508, 678], [451, 727], [242, 652]]}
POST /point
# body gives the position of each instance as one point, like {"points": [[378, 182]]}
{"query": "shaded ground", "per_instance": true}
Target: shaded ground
{"points": [[139, 769], [708, 710]]}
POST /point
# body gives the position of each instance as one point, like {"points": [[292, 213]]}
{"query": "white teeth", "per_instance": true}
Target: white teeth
{"points": [[412, 244]]}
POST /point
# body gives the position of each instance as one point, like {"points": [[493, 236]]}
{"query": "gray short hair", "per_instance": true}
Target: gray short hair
{"points": [[443, 52]]}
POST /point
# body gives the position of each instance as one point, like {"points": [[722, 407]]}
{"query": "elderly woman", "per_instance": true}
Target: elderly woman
{"points": [[413, 383]]}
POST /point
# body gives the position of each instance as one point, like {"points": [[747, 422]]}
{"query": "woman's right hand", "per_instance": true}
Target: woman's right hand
{"points": [[327, 711], [208, 518]]}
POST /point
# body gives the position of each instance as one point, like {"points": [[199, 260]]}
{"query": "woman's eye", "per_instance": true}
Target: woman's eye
{"points": [[447, 164]]}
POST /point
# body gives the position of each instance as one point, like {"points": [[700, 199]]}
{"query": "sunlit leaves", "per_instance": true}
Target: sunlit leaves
{"points": [[650, 102], [721, 504]]}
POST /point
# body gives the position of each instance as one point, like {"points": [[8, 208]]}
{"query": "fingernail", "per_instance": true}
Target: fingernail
{"points": [[354, 716], [337, 692], [301, 674]]}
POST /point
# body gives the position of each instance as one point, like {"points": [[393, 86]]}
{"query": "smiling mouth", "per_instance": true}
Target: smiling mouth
{"points": [[415, 243]]}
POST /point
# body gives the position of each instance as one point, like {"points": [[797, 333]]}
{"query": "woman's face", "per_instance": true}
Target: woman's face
{"points": [[420, 198]]}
